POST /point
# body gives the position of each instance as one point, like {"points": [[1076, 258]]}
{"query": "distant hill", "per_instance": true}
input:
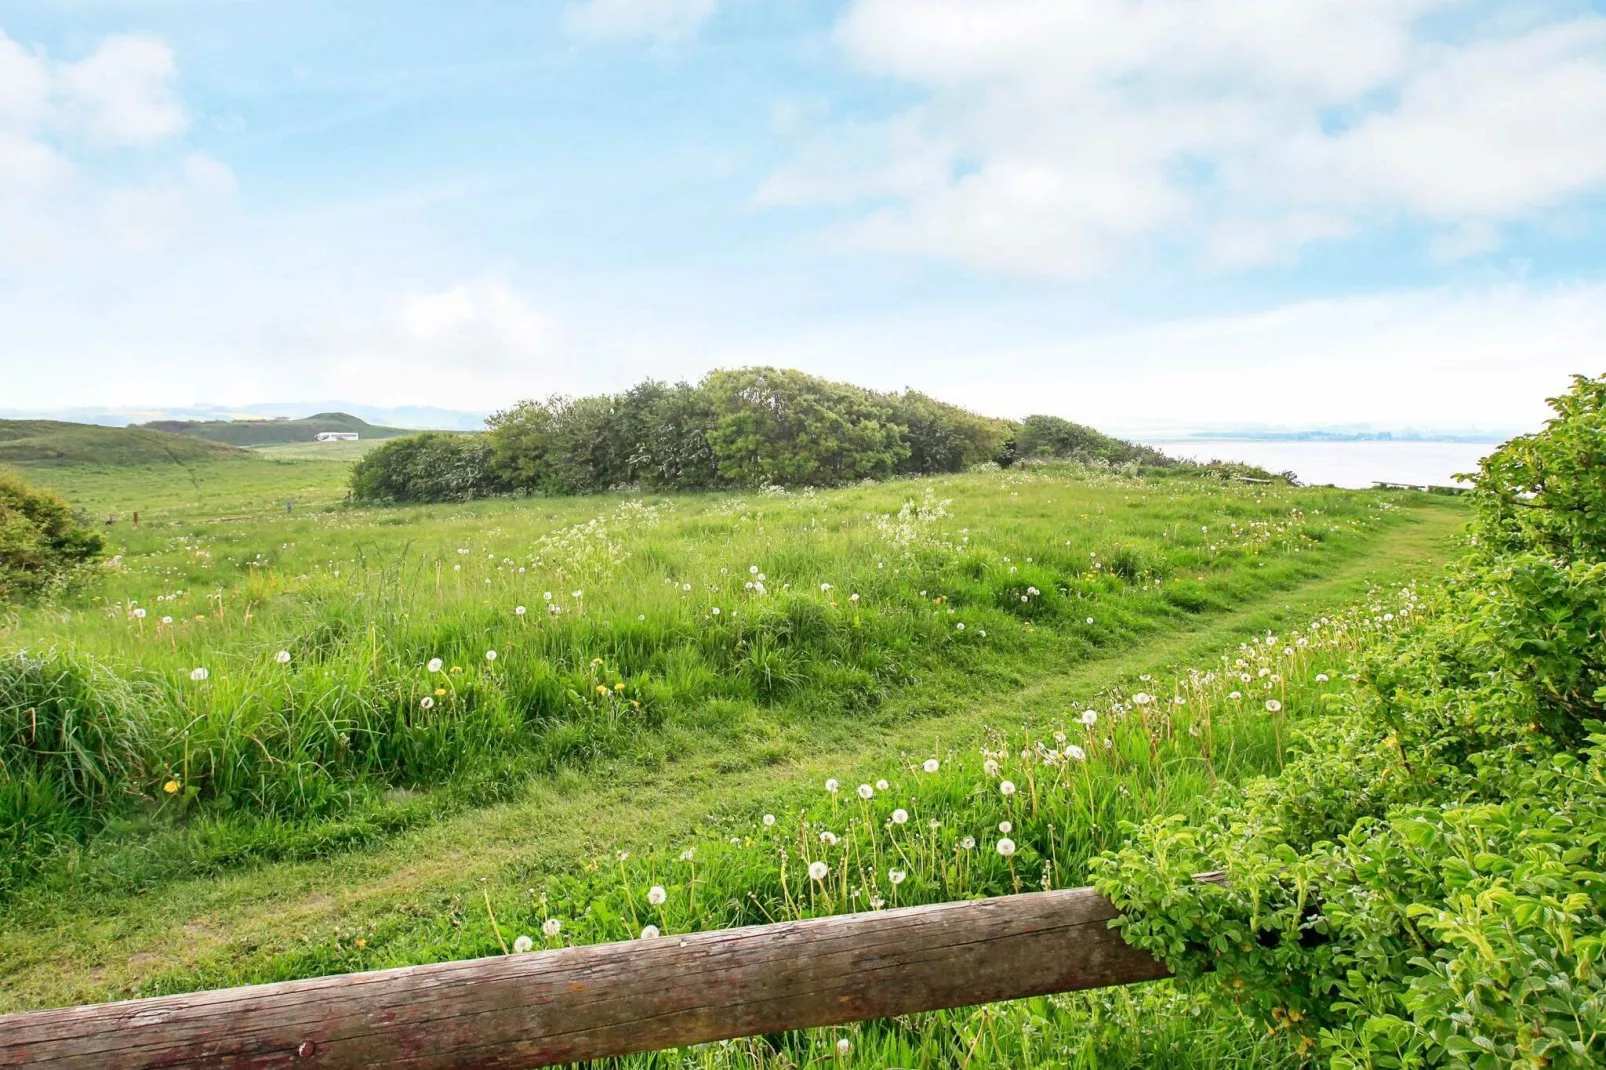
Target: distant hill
{"points": [[273, 432], [53, 443]]}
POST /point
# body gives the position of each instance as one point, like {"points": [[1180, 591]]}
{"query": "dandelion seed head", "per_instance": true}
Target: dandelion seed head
{"points": [[931, 765], [282, 657], [649, 932], [1006, 847], [523, 945], [818, 871], [656, 896], [900, 816], [551, 927]]}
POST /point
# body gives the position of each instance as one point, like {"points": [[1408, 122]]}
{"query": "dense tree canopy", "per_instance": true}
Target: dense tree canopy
{"points": [[737, 428]]}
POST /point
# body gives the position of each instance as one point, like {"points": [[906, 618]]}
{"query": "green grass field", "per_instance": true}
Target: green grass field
{"points": [[680, 667]]}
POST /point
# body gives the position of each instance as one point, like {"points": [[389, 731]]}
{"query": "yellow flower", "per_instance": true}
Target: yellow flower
{"points": [[619, 686], [457, 668], [596, 661], [602, 689], [171, 787], [440, 691], [361, 943]]}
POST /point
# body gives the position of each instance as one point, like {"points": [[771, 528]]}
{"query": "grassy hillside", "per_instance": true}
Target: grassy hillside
{"points": [[55, 443], [350, 807], [274, 432]]}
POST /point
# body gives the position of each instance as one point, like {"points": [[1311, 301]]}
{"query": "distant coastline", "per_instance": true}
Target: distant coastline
{"points": [[1474, 437]]}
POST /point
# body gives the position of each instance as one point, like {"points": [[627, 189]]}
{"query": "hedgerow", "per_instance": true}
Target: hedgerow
{"points": [[1425, 885]]}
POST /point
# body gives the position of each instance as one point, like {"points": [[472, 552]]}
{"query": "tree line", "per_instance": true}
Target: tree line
{"points": [[736, 428]]}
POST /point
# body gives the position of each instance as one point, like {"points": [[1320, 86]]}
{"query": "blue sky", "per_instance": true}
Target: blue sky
{"points": [[1167, 213]]}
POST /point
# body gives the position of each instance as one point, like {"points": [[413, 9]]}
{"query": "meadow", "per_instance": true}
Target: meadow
{"points": [[264, 745]]}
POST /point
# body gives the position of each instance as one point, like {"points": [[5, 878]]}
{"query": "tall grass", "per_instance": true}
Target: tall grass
{"points": [[285, 668], [1027, 809]]}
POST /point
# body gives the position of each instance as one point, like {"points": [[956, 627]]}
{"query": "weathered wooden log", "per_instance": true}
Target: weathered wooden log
{"points": [[610, 999]]}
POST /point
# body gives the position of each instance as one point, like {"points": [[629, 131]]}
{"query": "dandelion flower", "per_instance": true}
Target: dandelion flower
{"points": [[523, 945], [199, 675], [828, 838], [831, 785], [171, 787], [932, 765], [490, 655], [896, 876], [656, 896], [1273, 706], [688, 854], [649, 932], [824, 587], [1076, 752], [518, 611], [968, 843], [167, 620], [769, 820], [1235, 695], [866, 791], [427, 703], [900, 816], [139, 614], [1090, 717], [1090, 620], [959, 627], [843, 1046], [1321, 678], [1006, 827], [1142, 699], [715, 611], [990, 767], [1006, 847], [818, 871], [551, 927], [881, 785], [282, 657], [435, 664], [752, 570], [1006, 788]]}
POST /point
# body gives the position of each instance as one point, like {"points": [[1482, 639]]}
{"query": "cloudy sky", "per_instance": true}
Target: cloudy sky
{"points": [[1131, 212]]}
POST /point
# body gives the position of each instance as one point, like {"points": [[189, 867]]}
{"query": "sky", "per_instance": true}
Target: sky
{"points": [[1133, 213]]}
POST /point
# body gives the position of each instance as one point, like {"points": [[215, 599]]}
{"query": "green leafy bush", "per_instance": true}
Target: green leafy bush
{"points": [[1426, 884], [42, 545], [429, 467]]}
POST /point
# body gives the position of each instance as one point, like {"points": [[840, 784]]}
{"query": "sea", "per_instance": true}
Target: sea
{"points": [[1343, 464]]}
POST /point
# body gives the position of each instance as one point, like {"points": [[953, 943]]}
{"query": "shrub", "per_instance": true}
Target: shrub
{"points": [[1053, 437], [1426, 884], [429, 467], [42, 545], [778, 426]]}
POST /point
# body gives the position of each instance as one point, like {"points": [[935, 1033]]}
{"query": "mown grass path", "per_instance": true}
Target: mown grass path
{"points": [[276, 920]]}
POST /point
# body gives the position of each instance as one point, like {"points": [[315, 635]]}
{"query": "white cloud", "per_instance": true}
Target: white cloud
{"points": [[123, 93], [661, 20], [1058, 136]]}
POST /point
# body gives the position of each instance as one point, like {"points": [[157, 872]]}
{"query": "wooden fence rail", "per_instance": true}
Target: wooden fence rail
{"points": [[578, 1003]]}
